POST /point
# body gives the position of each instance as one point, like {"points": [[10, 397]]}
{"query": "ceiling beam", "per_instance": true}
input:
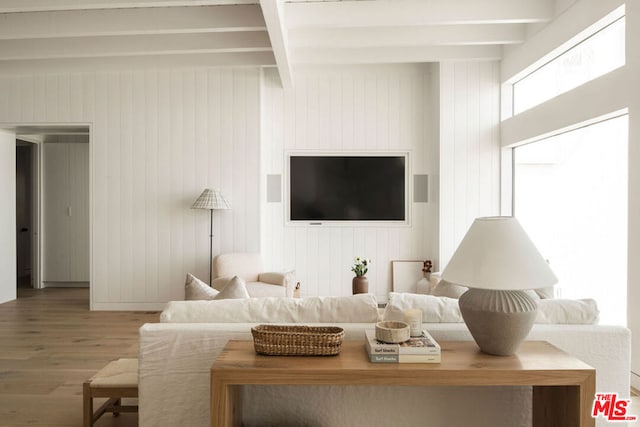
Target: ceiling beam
{"points": [[10, 6], [131, 21], [273, 11], [416, 12], [433, 35], [396, 55], [240, 59], [110, 46]]}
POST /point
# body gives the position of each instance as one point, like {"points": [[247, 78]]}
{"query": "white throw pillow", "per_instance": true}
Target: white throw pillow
{"points": [[448, 289], [451, 290], [196, 289], [434, 309], [545, 293], [235, 289], [348, 309], [567, 311]]}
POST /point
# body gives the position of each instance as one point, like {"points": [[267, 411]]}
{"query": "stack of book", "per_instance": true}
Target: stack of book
{"points": [[422, 349]]}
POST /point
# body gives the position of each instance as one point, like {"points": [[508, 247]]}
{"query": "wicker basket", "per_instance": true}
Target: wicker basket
{"points": [[275, 340]]}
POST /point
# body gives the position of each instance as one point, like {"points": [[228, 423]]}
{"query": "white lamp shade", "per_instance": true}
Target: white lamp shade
{"points": [[496, 253], [211, 199]]}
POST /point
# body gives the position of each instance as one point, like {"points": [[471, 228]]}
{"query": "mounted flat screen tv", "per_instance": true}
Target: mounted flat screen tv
{"points": [[348, 187]]}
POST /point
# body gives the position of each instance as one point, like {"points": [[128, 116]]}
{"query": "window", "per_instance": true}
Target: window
{"points": [[570, 194], [595, 56]]}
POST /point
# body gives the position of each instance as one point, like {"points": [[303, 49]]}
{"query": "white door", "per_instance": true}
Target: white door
{"points": [[79, 202], [56, 213], [66, 213], [7, 216]]}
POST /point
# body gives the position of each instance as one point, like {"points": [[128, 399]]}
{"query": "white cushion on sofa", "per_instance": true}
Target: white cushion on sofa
{"points": [[446, 310], [546, 293], [448, 289], [434, 309], [234, 289], [195, 289], [567, 311], [361, 308]]}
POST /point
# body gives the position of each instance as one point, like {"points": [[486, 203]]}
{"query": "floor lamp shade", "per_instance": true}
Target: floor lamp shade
{"points": [[497, 261], [211, 200]]}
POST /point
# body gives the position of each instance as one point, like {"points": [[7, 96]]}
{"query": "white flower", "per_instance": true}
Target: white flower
{"points": [[360, 266]]}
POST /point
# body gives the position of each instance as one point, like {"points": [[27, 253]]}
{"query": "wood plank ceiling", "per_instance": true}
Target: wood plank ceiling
{"points": [[55, 35]]}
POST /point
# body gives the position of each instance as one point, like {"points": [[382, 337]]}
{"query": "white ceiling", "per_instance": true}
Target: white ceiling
{"points": [[57, 35]]}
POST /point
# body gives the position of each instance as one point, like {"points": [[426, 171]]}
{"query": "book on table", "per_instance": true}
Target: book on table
{"points": [[422, 349]]}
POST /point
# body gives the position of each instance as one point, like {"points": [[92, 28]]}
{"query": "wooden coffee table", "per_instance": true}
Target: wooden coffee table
{"points": [[563, 386]]}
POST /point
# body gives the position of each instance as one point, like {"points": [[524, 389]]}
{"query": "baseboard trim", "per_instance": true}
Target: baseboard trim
{"points": [[65, 284]]}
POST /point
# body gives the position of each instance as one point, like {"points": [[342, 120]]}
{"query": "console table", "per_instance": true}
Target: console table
{"points": [[563, 386]]}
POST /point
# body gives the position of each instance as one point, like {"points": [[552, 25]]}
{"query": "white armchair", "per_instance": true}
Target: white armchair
{"points": [[248, 266]]}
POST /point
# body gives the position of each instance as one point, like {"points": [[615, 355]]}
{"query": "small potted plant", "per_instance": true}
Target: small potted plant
{"points": [[360, 283]]}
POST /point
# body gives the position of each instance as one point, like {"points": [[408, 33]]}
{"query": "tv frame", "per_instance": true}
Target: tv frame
{"points": [[348, 223]]}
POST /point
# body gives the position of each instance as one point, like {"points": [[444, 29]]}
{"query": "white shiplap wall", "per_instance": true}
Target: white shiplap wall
{"points": [[158, 138], [351, 108], [469, 148]]}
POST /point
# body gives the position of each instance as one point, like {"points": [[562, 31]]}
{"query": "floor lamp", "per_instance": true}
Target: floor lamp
{"points": [[211, 200]]}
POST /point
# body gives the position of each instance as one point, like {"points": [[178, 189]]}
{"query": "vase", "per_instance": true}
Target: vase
{"points": [[360, 285], [423, 286]]}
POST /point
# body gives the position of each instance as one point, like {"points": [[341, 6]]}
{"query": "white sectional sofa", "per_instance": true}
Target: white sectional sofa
{"points": [[176, 355]]}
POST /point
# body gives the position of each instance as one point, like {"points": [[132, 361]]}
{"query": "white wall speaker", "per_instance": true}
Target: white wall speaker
{"points": [[274, 189], [421, 188]]}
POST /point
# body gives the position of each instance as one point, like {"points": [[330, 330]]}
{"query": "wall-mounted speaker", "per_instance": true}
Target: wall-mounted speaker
{"points": [[421, 188], [274, 190]]}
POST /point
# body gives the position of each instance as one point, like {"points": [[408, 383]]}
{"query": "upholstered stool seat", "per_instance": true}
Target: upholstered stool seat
{"points": [[116, 380]]}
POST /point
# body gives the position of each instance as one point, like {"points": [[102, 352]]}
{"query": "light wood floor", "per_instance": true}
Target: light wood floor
{"points": [[49, 344]]}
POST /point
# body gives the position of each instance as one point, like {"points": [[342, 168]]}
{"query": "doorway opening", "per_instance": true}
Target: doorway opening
{"points": [[25, 154], [52, 221]]}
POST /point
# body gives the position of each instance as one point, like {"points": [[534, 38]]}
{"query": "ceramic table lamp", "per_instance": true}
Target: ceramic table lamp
{"points": [[497, 261]]}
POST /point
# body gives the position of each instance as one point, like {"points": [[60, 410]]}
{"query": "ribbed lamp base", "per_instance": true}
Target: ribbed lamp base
{"points": [[498, 320]]}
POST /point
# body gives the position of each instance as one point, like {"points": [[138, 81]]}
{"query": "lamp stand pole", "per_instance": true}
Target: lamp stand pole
{"points": [[210, 246]]}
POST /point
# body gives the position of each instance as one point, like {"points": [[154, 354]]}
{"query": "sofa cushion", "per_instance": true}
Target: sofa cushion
{"points": [[546, 293], [448, 289], [434, 309], [446, 310], [346, 309], [567, 311], [235, 289], [196, 289], [443, 288]]}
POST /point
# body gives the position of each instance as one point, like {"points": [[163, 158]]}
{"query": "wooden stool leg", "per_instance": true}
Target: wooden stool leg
{"points": [[117, 404], [87, 403]]}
